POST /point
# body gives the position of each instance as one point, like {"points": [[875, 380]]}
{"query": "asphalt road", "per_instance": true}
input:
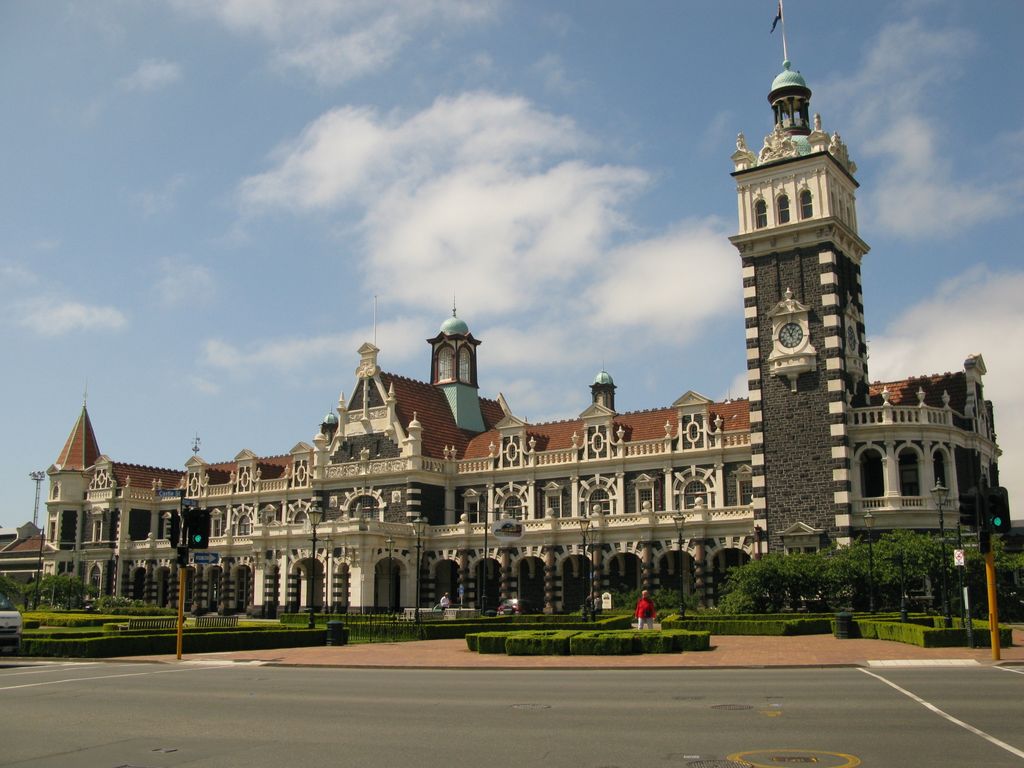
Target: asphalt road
{"points": [[108, 715]]}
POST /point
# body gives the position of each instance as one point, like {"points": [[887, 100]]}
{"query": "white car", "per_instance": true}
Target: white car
{"points": [[10, 626]]}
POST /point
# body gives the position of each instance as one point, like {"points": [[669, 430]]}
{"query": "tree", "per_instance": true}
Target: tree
{"points": [[62, 591]]}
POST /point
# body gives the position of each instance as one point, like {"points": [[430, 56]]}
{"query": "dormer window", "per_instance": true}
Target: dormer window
{"points": [[806, 204], [760, 214], [782, 204], [464, 366]]}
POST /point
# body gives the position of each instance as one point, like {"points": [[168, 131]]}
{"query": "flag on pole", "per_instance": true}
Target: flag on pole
{"points": [[778, 17]]}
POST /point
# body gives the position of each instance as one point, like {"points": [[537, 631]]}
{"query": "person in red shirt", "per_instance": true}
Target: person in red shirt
{"points": [[644, 612]]}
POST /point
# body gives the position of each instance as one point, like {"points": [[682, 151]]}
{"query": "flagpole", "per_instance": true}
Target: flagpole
{"points": [[782, 15]]}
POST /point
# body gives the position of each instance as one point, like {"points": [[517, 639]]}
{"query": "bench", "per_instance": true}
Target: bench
{"points": [[165, 622], [219, 622]]}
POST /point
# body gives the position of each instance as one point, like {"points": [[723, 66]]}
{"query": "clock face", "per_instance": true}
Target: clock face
{"points": [[790, 335], [851, 338]]}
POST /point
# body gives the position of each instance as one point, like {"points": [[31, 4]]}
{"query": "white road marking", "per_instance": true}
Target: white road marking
{"points": [[105, 677], [923, 663], [44, 666], [1014, 670], [966, 726]]}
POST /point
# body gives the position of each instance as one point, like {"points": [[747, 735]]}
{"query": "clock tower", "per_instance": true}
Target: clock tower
{"points": [[803, 311]]}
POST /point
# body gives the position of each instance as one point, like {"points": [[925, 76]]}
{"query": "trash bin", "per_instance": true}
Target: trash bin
{"points": [[844, 621], [336, 633]]}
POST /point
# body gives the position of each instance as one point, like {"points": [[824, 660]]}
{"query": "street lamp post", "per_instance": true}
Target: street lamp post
{"points": [[37, 477], [940, 493], [680, 519], [903, 588], [390, 543], [315, 515], [869, 523], [584, 528], [419, 524]]}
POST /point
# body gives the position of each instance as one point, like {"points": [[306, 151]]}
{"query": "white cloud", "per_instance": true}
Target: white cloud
{"points": [[979, 312], [335, 42], [552, 72], [53, 317], [163, 199], [908, 65], [353, 154], [151, 75], [400, 338], [181, 281], [672, 282]]}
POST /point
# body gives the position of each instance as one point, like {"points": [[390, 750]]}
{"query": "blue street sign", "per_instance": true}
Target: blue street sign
{"points": [[206, 558], [166, 493], [189, 503]]}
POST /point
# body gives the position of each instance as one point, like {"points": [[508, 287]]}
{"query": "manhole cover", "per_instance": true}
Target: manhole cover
{"points": [[531, 706], [717, 764], [732, 706]]}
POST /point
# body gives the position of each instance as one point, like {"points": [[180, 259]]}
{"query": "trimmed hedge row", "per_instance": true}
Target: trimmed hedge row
{"points": [[928, 635], [773, 627], [193, 642], [567, 642]]}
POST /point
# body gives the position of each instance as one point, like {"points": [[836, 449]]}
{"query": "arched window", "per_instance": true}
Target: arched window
{"points": [[464, 366], [783, 209], [513, 507], [694, 494], [363, 507], [872, 478], [599, 502], [244, 526], [446, 364], [806, 204], [760, 214], [939, 468], [910, 483]]}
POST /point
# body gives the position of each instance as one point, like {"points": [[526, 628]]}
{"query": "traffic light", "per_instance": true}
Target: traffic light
{"points": [[182, 556], [174, 535], [969, 508], [997, 510], [197, 528]]}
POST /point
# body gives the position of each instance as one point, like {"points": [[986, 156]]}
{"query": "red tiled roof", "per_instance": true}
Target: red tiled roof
{"points": [[904, 392], [143, 476], [81, 449], [636, 426], [31, 544], [430, 406]]}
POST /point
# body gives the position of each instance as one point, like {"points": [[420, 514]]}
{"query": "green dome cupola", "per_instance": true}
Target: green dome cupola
{"points": [[791, 102]]}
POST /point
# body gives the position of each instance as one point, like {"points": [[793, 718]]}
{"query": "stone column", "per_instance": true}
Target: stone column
{"points": [[645, 565], [149, 591], [506, 575], [549, 579], [463, 577], [199, 591], [699, 581]]}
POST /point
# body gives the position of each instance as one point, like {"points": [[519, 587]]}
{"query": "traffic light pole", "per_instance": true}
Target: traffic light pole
{"points": [[993, 605], [181, 607]]}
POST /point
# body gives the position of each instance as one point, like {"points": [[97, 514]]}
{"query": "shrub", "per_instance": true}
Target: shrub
{"points": [[540, 643], [194, 642]]}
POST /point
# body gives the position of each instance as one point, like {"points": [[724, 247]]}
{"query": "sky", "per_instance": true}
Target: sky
{"points": [[208, 205]]}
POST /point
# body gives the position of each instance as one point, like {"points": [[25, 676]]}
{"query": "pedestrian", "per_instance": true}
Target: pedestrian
{"points": [[644, 612], [445, 603]]}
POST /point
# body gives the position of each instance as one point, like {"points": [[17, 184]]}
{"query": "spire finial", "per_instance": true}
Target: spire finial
{"points": [[85, 394], [195, 445], [453, 303]]}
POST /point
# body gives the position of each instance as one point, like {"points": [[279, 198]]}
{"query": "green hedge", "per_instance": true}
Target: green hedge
{"points": [[193, 642], [601, 644], [774, 626], [587, 642], [930, 634], [552, 642]]}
